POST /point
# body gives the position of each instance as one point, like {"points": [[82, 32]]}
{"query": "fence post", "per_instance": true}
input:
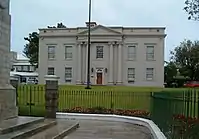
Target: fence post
{"points": [[51, 96]]}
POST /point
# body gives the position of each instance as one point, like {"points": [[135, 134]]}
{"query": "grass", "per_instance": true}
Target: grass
{"points": [[31, 98]]}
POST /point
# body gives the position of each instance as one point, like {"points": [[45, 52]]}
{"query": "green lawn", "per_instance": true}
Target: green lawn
{"points": [[123, 97]]}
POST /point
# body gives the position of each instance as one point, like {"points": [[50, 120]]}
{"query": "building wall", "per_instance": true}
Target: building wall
{"points": [[140, 64], [106, 37]]}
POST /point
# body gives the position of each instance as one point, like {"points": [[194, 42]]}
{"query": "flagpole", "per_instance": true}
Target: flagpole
{"points": [[89, 44]]}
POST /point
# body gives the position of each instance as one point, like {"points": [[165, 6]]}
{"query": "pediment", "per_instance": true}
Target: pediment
{"points": [[101, 30]]}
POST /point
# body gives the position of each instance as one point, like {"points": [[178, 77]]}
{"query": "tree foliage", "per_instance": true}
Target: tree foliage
{"points": [[59, 25], [170, 71], [186, 58], [31, 48], [192, 9]]}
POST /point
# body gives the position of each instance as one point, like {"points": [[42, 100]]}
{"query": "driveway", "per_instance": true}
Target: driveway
{"points": [[92, 129]]}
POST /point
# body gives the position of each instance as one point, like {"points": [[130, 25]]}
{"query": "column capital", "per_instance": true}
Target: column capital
{"points": [[114, 43], [80, 43], [120, 43], [110, 43]]}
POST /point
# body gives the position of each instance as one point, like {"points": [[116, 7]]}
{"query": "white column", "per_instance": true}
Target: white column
{"points": [[119, 76], [110, 70], [86, 67], [79, 63]]}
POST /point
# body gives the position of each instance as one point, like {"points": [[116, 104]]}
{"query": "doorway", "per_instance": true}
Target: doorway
{"points": [[99, 78]]}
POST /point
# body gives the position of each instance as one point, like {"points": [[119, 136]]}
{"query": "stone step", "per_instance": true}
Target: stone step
{"points": [[30, 130], [59, 131], [18, 123]]}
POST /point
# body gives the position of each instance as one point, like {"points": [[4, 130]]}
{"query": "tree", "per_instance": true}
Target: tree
{"points": [[59, 25], [186, 58], [192, 9], [31, 48], [170, 71]]}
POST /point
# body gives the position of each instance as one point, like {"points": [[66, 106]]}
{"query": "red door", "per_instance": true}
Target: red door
{"points": [[99, 78]]}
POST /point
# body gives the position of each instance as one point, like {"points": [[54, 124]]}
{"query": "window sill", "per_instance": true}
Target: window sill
{"points": [[150, 60], [68, 59], [131, 60], [51, 59], [149, 80], [99, 59], [131, 81]]}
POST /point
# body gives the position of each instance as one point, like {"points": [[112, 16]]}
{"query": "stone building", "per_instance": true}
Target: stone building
{"points": [[131, 56]]}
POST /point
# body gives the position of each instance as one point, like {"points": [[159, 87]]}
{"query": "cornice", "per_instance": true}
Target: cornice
{"points": [[124, 36]]}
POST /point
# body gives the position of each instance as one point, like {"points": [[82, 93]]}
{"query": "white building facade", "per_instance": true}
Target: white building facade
{"points": [[130, 56], [22, 69], [20, 63]]}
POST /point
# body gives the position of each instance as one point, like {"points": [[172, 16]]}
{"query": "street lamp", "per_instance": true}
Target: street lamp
{"points": [[89, 44]]}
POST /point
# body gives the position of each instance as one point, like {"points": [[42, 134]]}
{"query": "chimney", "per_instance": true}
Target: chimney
{"points": [[92, 24]]}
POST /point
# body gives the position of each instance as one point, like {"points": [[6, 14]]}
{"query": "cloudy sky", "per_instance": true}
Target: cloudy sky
{"points": [[29, 15]]}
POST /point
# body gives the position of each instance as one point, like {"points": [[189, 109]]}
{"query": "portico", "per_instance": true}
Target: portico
{"points": [[102, 73]]}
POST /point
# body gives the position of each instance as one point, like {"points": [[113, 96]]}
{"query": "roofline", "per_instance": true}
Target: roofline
{"points": [[116, 27]]}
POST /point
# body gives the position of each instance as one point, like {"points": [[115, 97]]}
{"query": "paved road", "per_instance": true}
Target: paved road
{"points": [[109, 130]]}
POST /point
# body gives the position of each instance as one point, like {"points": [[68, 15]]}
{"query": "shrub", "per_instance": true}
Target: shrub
{"points": [[102, 110], [185, 127]]}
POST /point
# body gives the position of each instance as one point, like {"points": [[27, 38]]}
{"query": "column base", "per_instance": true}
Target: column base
{"points": [[8, 108], [85, 83], [119, 83], [110, 83], [78, 82]]}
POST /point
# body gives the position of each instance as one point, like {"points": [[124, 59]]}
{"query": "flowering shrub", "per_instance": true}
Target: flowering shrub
{"points": [[102, 110], [185, 127]]}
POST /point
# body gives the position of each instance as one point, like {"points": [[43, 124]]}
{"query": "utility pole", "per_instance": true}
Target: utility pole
{"points": [[89, 44]]}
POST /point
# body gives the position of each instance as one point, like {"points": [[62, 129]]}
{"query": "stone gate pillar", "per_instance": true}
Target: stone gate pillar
{"points": [[51, 96]]}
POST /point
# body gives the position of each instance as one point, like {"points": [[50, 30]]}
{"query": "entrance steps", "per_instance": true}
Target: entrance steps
{"points": [[36, 128]]}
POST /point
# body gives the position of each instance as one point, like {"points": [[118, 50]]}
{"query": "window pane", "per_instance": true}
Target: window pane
{"points": [[68, 52], [150, 53], [18, 68], [149, 73], [51, 49], [25, 68], [131, 73], [131, 49], [51, 52], [51, 71], [99, 52], [131, 52], [68, 73], [150, 49]]}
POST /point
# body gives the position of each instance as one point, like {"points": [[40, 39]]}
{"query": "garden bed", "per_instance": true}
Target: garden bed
{"points": [[102, 110]]}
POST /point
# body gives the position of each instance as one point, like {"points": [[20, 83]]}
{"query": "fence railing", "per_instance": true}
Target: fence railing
{"points": [[31, 99], [167, 104]]}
